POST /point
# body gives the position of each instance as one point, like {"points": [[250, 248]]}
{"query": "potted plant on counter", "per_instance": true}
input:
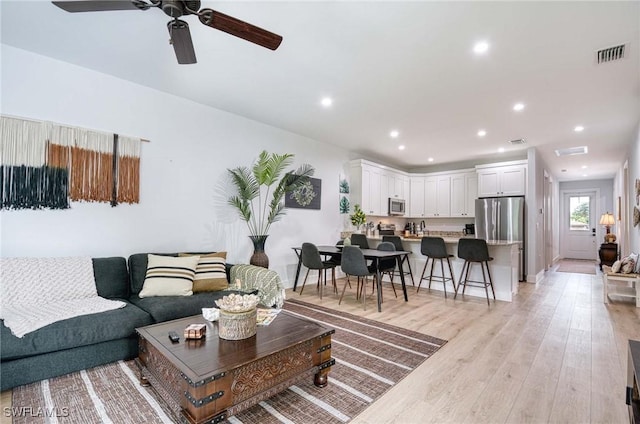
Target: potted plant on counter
{"points": [[260, 206], [358, 218]]}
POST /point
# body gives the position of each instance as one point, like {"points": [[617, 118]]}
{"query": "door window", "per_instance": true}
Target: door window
{"points": [[579, 213]]}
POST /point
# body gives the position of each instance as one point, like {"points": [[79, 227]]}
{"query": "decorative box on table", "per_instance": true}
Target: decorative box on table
{"points": [[195, 331]]}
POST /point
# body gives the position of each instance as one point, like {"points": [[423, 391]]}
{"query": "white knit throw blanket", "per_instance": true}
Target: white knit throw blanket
{"points": [[36, 292]]}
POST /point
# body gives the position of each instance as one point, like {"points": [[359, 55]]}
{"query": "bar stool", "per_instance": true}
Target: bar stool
{"points": [[475, 251], [312, 260], [434, 248], [404, 259]]}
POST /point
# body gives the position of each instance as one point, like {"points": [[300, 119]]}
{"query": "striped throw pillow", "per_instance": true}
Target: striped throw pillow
{"points": [[211, 274], [169, 276]]}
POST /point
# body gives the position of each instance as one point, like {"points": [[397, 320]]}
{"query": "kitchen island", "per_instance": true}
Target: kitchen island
{"points": [[504, 266]]}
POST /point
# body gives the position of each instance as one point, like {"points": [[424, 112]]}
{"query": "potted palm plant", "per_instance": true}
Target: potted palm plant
{"points": [[257, 203]]}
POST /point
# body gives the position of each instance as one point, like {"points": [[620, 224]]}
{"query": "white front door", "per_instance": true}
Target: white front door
{"points": [[578, 224]]}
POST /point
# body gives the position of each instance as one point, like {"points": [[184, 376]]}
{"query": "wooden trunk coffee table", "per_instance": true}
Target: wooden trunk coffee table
{"points": [[209, 380]]}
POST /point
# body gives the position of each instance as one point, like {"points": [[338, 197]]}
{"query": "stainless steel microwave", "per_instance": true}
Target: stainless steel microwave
{"points": [[396, 206]]}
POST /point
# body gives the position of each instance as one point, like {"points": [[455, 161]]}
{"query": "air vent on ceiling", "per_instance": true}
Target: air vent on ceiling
{"points": [[610, 54], [572, 151], [517, 141]]}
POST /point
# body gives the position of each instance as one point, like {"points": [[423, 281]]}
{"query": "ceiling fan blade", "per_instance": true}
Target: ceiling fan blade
{"points": [[181, 40], [239, 28], [100, 5]]}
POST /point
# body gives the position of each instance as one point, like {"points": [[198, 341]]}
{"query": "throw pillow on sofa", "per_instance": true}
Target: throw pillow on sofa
{"points": [[211, 274], [169, 276]]}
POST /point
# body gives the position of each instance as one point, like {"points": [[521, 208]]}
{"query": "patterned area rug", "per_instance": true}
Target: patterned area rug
{"points": [[370, 357], [577, 266]]}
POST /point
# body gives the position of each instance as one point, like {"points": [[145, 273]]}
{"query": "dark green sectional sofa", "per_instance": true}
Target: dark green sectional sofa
{"points": [[91, 340]]}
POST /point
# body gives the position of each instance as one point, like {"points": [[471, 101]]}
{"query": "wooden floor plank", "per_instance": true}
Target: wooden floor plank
{"points": [[556, 353]]}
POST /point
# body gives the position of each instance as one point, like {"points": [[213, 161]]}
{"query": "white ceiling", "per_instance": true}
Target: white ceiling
{"points": [[388, 65]]}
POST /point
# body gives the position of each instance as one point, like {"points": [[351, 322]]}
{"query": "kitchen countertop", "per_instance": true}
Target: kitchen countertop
{"points": [[452, 240]]}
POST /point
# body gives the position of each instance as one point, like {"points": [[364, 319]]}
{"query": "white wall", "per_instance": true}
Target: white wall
{"points": [[183, 170], [634, 172]]}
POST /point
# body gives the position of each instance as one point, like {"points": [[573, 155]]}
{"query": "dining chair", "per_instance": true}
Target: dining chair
{"points": [[353, 263], [360, 240], [397, 243], [475, 251], [312, 260], [387, 266]]}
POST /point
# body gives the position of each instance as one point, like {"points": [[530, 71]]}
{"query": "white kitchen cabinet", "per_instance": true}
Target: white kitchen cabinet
{"points": [[397, 185], [437, 196], [370, 200], [372, 186], [464, 191], [508, 180], [416, 197]]}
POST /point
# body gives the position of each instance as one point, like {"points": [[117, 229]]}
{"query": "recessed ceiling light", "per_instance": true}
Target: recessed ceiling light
{"points": [[326, 101], [584, 175], [584, 166], [401, 147], [501, 150], [578, 128], [482, 133], [394, 134], [518, 107], [430, 159], [481, 47]]}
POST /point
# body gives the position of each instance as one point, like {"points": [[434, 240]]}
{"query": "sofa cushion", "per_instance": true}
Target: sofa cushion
{"points": [[174, 307], [210, 272], [138, 269], [169, 276], [73, 332], [112, 277]]}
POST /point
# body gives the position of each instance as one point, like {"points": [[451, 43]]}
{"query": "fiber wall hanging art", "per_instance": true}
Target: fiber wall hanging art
{"points": [[44, 165]]}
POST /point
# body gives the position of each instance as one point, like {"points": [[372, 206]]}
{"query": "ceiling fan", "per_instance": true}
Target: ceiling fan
{"points": [[179, 29]]}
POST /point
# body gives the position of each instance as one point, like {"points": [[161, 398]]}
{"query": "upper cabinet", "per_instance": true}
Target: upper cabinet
{"points": [[416, 197], [498, 180], [434, 195], [437, 196], [464, 191], [372, 186]]}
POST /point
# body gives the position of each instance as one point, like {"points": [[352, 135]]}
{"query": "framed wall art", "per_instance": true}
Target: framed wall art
{"points": [[306, 197]]}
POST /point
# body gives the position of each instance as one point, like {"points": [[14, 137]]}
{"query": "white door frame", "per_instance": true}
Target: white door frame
{"points": [[563, 222]]}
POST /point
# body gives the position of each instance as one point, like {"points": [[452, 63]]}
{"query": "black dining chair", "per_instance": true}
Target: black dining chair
{"points": [[387, 266], [360, 240], [404, 259], [434, 248], [475, 251], [353, 263], [312, 260]]}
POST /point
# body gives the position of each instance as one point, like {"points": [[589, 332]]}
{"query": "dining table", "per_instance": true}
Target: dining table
{"points": [[371, 254]]}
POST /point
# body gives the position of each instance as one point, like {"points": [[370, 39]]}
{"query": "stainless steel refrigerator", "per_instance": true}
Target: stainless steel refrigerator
{"points": [[502, 219]]}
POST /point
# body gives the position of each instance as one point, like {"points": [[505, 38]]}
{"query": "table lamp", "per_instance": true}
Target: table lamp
{"points": [[608, 220]]}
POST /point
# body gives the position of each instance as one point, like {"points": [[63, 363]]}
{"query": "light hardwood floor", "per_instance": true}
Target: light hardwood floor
{"points": [[556, 354]]}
